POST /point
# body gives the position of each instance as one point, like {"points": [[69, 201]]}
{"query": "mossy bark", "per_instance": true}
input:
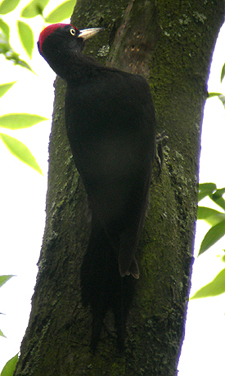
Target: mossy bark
{"points": [[171, 44]]}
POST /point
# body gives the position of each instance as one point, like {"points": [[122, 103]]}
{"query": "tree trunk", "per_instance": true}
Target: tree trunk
{"points": [[171, 44]]}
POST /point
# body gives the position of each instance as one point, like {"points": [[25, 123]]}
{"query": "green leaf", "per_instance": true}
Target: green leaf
{"points": [[26, 36], [205, 189], [217, 197], [10, 366], [5, 87], [222, 73], [23, 64], [5, 28], [213, 235], [1, 334], [62, 12], [4, 279], [4, 44], [21, 151], [34, 8], [19, 121], [211, 95], [219, 95], [219, 192], [214, 288], [211, 216], [11, 55], [8, 6]]}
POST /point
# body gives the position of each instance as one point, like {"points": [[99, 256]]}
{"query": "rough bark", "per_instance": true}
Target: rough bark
{"points": [[171, 44]]}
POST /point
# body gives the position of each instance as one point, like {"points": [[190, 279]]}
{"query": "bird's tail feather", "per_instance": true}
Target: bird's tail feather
{"points": [[102, 287]]}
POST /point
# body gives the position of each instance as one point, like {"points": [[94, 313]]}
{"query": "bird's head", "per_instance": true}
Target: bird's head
{"points": [[58, 41]]}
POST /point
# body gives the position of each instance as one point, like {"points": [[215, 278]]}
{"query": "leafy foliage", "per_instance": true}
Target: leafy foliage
{"points": [[216, 219], [1, 334], [26, 36], [222, 73], [21, 151], [34, 8], [217, 197], [10, 366], [214, 288], [4, 279], [63, 11], [8, 6], [213, 217], [7, 50], [5, 87], [213, 235], [5, 28], [219, 95], [19, 121], [205, 189]]}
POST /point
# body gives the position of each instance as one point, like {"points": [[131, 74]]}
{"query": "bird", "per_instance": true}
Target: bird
{"points": [[110, 124]]}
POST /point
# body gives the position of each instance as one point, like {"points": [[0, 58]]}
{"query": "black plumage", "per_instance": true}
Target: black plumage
{"points": [[110, 123]]}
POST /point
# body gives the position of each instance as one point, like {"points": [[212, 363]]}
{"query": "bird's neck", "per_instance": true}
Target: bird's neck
{"points": [[75, 67]]}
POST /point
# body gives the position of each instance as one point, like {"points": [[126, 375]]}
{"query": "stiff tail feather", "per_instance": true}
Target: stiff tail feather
{"points": [[103, 288]]}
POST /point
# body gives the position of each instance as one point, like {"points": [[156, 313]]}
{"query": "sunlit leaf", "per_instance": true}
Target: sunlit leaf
{"points": [[219, 192], [11, 55], [34, 8], [205, 189], [10, 366], [21, 151], [7, 6], [5, 87], [5, 28], [211, 216], [4, 44], [217, 197], [18, 121], [213, 235], [219, 95], [62, 12], [23, 64], [1, 334], [4, 279], [222, 73], [214, 288], [211, 95], [26, 36]]}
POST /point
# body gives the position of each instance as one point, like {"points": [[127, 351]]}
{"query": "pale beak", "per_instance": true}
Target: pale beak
{"points": [[88, 33]]}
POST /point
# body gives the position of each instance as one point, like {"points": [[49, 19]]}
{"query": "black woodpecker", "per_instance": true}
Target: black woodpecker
{"points": [[110, 124]]}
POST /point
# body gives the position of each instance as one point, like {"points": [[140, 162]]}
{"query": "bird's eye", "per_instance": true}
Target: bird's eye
{"points": [[72, 32]]}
